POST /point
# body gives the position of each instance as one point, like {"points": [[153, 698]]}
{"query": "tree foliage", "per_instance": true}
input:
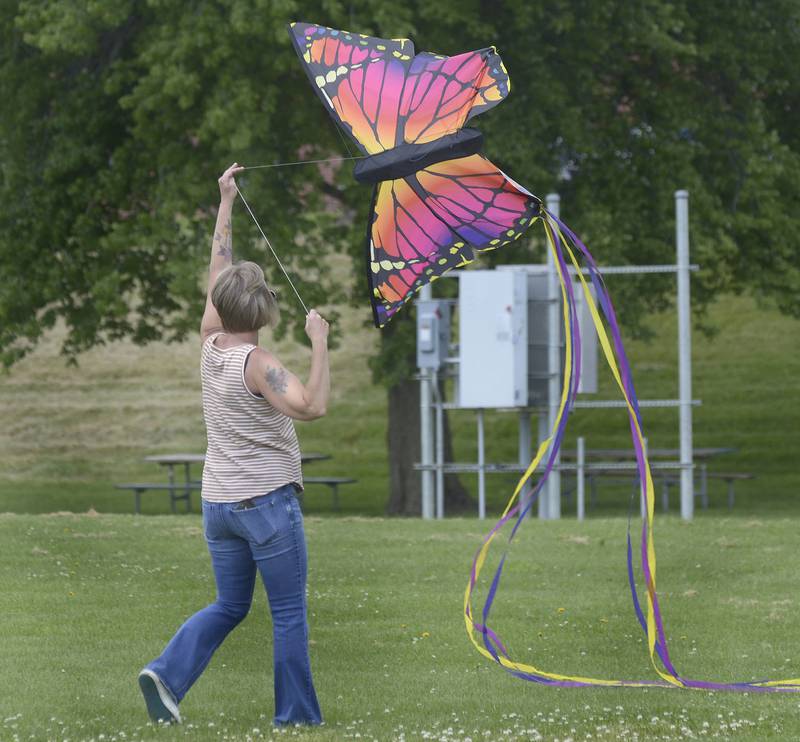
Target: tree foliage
{"points": [[118, 117]]}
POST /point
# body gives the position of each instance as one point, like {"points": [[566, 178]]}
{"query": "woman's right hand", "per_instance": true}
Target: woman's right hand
{"points": [[316, 326], [227, 184]]}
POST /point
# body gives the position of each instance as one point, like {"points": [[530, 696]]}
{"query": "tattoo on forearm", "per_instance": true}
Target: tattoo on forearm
{"points": [[278, 379], [224, 241]]}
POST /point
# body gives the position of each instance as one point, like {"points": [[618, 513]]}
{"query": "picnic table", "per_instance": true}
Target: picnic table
{"points": [[621, 461], [171, 460], [181, 488]]}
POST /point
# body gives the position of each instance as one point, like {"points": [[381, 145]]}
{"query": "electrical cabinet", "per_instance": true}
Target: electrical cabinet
{"points": [[505, 336], [433, 332], [492, 338]]}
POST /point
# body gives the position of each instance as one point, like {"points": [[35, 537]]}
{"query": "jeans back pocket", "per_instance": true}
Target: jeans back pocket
{"points": [[256, 523]]}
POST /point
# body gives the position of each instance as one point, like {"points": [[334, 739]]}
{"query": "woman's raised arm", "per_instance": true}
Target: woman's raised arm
{"points": [[221, 247]]}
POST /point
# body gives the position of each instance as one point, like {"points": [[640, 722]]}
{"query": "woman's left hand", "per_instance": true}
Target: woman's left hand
{"points": [[227, 185]]}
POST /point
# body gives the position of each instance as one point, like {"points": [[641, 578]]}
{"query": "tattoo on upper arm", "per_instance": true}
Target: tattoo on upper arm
{"points": [[225, 241], [278, 379]]}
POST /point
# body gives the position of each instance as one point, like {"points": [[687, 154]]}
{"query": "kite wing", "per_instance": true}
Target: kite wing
{"points": [[442, 93], [359, 79], [428, 223], [383, 95]]}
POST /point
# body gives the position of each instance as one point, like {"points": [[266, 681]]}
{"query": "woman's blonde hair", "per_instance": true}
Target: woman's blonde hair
{"points": [[243, 300]]}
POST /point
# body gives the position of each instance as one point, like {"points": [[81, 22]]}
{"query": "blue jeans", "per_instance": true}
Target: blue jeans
{"points": [[268, 537]]}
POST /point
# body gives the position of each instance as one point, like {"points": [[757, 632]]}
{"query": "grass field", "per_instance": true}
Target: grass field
{"points": [[88, 599], [69, 433]]}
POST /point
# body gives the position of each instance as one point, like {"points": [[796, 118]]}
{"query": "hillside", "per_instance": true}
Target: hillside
{"points": [[70, 432]]}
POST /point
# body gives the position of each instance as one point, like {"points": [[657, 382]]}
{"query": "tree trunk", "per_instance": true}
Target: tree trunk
{"points": [[402, 438]]}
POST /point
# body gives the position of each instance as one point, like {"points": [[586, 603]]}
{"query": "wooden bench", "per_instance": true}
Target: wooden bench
{"points": [[182, 491], [667, 479], [333, 483], [730, 478]]}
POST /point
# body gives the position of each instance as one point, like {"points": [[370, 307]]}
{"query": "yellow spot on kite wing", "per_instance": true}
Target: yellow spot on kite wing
{"points": [[399, 264], [442, 261], [380, 47], [375, 267], [331, 76], [508, 79], [320, 80], [493, 242], [386, 265], [307, 57]]}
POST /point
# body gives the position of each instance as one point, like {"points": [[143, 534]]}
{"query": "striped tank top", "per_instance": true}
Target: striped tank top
{"points": [[252, 447]]}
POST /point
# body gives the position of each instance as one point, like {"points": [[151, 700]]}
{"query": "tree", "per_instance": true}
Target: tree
{"points": [[122, 114]]}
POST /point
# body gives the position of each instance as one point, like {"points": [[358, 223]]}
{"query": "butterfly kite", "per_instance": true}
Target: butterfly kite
{"points": [[437, 201]]}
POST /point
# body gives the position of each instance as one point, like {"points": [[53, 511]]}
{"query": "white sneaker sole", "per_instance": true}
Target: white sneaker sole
{"points": [[160, 705]]}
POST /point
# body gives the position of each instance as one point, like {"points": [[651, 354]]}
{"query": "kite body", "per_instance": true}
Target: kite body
{"points": [[437, 201]]}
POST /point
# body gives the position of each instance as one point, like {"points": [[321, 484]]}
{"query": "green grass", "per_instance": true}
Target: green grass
{"points": [[70, 433], [88, 599]]}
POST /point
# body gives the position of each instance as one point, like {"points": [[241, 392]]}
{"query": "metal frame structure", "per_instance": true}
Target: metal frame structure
{"points": [[433, 467]]}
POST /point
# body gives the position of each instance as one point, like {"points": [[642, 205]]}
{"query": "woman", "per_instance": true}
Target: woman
{"points": [[251, 517]]}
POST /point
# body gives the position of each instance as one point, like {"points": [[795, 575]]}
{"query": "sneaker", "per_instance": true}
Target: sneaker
{"points": [[160, 704]]}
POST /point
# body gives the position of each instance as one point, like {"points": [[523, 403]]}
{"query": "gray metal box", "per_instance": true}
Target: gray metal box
{"points": [[493, 327], [538, 334], [433, 332]]}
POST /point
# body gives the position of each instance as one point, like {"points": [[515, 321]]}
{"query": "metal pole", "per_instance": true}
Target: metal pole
{"points": [[439, 449], [543, 496], [481, 469], [426, 429], [553, 201], [525, 452], [684, 353], [580, 457]]}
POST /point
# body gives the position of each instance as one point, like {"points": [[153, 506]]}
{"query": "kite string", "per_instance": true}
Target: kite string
{"points": [[342, 137], [269, 245], [305, 162]]}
